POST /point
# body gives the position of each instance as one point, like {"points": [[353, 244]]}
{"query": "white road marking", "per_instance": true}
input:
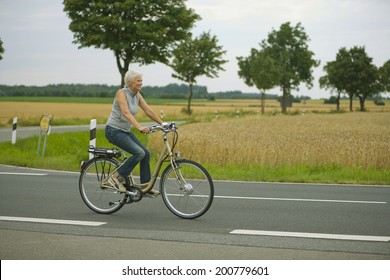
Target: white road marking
{"points": [[22, 174], [301, 199], [312, 235], [51, 221]]}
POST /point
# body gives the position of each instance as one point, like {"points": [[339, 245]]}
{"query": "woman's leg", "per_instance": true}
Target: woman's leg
{"points": [[139, 154], [144, 160]]}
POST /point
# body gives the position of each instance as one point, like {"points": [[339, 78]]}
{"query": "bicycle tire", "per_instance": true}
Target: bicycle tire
{"points": [[97, 198], [192, 198]]}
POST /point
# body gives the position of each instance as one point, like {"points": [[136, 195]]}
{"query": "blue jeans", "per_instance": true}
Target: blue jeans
{"points": [[139, 154]]}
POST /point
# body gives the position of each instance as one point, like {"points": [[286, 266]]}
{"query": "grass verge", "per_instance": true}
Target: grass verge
{"points": [[327, 174], [65, 152]]}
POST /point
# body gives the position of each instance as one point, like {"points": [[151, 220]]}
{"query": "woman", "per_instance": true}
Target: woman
{"points": [[122, 118]]}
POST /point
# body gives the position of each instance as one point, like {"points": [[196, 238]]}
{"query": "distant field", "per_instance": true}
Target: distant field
{"points": [[30, 110], [232, 139], [350, 140]]}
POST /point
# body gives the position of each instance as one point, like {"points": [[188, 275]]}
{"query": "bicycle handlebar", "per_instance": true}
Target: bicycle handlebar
{"points": [[165, 127]]}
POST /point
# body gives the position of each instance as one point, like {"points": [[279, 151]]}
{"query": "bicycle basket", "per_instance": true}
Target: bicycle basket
{"points": [[104, 152]]}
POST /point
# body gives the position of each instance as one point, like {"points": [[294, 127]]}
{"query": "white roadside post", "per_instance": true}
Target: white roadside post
{"points": [[92, 135], [14, 126]]}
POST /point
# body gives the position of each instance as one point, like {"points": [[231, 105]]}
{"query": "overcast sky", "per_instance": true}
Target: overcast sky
{"points": [[39, 50]]}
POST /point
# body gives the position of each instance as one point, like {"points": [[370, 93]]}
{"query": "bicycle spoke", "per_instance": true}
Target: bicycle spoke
{"points": [[97, 197], [190, 197]]}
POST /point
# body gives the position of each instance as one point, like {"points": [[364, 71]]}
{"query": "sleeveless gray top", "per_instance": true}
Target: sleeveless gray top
{"points": [[117, 119]]}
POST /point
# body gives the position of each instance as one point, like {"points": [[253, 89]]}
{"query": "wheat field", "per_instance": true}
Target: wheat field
{"points": [[352, 139], [32, 111], [349, 139]]}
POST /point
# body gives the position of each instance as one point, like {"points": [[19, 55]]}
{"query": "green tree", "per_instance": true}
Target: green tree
{"points": [[357, 76], [365, 76], [197, 57], [260, 70], [343, 64], [1, 49], [333, 80], [288, 47], [136, 31], [384, 76]]}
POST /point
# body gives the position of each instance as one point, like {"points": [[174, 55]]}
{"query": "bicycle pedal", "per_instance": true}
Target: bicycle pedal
{"points": [[107, 186], [128, 201]]}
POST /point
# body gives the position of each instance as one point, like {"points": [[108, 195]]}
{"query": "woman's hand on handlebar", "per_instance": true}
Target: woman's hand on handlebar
{"points": [[165, 127], [144, 129]]}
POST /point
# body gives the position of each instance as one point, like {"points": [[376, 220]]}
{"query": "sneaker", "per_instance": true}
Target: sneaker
{"points": [[152, 194], [117, 182]]}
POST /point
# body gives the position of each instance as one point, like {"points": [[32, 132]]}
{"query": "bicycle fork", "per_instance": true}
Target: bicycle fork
{"points": [[184, 185]]}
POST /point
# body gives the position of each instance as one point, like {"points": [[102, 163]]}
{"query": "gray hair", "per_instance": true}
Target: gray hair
{"points": [[131, 76]]}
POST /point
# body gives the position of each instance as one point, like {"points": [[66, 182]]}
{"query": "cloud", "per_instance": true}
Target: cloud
{"points": [[330, 24], [233, 10], [39, 47], [27, 16]]}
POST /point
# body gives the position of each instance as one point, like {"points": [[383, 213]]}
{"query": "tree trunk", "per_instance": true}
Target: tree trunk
{"points": [[122, 69], [362, 101], [262, 102], [350, 102], [284, 100], [189, 101], [338, 101]]}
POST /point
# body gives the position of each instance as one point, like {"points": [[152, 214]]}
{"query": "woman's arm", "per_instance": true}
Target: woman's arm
{"points": [[122, 101], [148, 110]]}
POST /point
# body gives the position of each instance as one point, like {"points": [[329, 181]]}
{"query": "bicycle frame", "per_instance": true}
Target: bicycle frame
{"points": [[146, 187], [187, 199], [165, 153]]}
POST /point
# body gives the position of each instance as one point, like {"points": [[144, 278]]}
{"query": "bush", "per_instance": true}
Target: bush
{"points": [[379, 102], [331, 100]]}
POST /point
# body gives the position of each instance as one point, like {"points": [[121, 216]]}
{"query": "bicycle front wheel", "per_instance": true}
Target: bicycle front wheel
{"points": [[187, 189], [99, 198]]}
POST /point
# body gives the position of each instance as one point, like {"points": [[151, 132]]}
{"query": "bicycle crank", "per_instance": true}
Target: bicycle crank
{"points": [[135, 194]]}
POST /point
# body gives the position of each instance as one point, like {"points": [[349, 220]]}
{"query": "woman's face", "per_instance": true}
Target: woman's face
{"points": [[137, 84]]}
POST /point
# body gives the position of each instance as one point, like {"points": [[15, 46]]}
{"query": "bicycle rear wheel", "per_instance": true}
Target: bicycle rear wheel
{"points": [[190, 195], [103, 200]]}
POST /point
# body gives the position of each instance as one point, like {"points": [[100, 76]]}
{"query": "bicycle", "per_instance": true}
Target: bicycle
{"points": [[185, 185]]}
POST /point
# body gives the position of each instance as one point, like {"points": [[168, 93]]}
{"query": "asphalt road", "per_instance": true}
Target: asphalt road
{"points": [[42, 216], [25, 132], [29, 131]]}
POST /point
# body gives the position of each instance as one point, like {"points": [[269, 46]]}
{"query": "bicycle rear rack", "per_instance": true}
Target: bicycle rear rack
{"points": [[104, 152]]}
